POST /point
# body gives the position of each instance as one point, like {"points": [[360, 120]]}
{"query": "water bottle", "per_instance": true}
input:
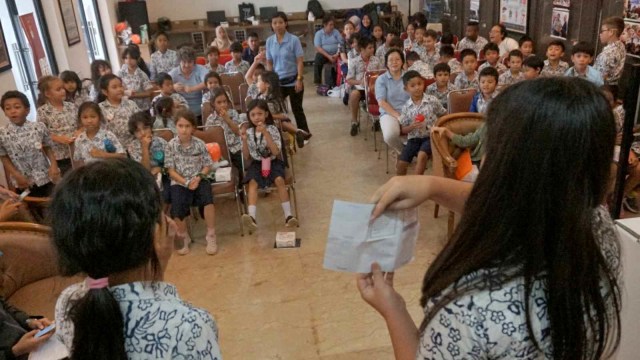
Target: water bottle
{"points": [[266, 166], [108, 146]]}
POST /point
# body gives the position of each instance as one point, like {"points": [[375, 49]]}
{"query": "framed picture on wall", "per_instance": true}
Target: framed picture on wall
{"points": [[631, 38], [5, 61], [69, 21], [632, 9], [474, 11], [514, 15], [562, 3], [559, 23]]}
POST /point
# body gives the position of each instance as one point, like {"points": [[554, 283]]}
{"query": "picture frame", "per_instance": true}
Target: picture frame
{"points": [[559, 23], [631, 38], [514, 14], [562, 3], [68, 13], [632, 10], [5, 60]]}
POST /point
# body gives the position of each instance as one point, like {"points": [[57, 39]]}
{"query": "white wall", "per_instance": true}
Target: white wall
{"points": [[198, 9], [109, 18]]}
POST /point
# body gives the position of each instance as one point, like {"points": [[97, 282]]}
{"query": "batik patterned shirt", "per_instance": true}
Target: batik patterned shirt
{"points": [[243, 67], [234, 143], [430, 107], [253, 91], [489, 322], [464, 82], [358, 67], [59, 122], [476, 46], [159, 124], [163, 62], [455, 66], [24, 146], [137, 82], [381, 51], [431, 59], [559, 70], [156, 151], [423, 68], [84, 145], [189, 160], [206, 96], [507, 78], [610, 62], [420, 50], [442, 96], [158, 324], [499, 66], [117, 117], [257, 144], [219, 69]]}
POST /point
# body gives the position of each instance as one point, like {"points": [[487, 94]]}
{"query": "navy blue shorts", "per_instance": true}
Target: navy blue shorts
{"points": [[182, 199], [414, 146], [166, 189]]}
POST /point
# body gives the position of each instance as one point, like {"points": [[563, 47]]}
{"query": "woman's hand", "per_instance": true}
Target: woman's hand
{"points": [[39, 324], [28, 343], [401, 192], [8, 194], [299, 86], [8, 209], [376, 288], [178, 87]]}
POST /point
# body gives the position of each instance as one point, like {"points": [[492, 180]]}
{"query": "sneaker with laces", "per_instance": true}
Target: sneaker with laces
{"points": [[249, 222], [212, 244], [291, 221], [186, 240], [354, 129]]}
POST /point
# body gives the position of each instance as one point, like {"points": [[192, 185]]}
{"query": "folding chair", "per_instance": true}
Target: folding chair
{"points": [[243, 89], [228, 188], [456, 54], [371, 103], [428, 82], [233, 81], [289, 182], [165, 134], [452, 78], [206, 111], [459, 101]]}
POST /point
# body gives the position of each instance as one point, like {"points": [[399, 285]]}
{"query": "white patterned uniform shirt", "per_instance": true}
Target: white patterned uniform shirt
{"points": [[59, 122], [455, 66], [499, 66], [24, 146], [188, 161], [117, 117], [163, 62], [476, 46], [423, 68], [420, 50], [442, 96], [610, 62], [206, 96], [464, 82], [358, 67], [243, 67], [559, 70], [431, 59], [381, 51], [156, 151], [138, 82], [618, 115], [234, 143], [84, 145], [490, 321], [79, 98], [219, 69], [158, 324], [507, 78], [253, 91], [483, 104], [257, 144], [429, 106]]}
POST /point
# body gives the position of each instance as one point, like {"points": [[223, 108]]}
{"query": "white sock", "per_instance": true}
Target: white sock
{"points": [[286, 207], [252, 211]]}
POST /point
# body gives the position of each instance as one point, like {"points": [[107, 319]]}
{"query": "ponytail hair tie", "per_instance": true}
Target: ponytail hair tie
{"points": [[100, 283]]}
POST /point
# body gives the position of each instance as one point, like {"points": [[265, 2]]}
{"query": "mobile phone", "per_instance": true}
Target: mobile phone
{"points": [[45, 331], [24, 195]]}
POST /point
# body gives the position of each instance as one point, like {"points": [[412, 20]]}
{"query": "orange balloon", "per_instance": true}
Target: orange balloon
{"points": [[214, 151], [121, 26], [135, 38]]}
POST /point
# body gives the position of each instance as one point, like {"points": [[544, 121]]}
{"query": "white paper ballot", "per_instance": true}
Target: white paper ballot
{"points": [[52, 349], [353, 243]]}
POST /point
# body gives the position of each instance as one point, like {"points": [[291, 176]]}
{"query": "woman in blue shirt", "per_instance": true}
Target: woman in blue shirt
{"points": [[286, 58], [188, 80], [327, 42], [391, 97]]}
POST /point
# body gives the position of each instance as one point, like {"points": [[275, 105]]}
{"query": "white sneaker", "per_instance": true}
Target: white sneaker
{"points": [[186, 239], [212, 244]]}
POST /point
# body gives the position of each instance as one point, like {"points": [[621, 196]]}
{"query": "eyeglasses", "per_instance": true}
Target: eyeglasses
{"points": [[603, 30]]}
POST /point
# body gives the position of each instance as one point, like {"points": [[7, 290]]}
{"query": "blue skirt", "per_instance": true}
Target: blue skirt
{"points": [[255, 173]]}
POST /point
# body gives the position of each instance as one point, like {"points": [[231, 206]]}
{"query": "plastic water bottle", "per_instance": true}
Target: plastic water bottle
{"points": [[266, 166], [108, 146]]}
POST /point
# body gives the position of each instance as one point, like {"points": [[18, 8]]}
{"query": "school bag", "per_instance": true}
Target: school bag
{"points": [[314, 7], [246, 10], [322, 89]]}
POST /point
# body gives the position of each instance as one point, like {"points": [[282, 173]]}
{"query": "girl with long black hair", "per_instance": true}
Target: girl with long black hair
{"points": [[532, 269]]}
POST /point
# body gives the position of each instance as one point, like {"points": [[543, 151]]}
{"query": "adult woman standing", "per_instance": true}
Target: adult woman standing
{"points": [[537, 279], [188, 79], [391, 97], [498, 36], [286, 58], [327, 42]]}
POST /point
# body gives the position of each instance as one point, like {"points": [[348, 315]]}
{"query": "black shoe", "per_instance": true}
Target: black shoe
{"points": [[630, 205], [376, 126], [291, 222], [300, 137], [354, 129]]}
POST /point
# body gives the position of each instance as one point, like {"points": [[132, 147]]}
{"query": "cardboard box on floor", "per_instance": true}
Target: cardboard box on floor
{"points": [[629, 231]]}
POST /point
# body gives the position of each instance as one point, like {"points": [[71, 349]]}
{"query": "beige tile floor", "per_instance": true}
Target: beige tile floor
{"points": [[281, 304]]}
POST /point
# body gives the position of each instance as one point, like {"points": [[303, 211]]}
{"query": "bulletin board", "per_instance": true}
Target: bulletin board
{"points": [[514, 15]]}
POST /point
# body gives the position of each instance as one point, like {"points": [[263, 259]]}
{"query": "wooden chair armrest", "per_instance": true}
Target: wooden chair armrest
{"points": [[443, 149]]}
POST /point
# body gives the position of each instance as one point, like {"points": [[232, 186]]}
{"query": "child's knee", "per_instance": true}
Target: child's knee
{"points": [[279, 181]]}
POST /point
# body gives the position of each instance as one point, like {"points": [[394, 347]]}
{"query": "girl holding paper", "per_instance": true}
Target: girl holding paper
{"points": [[537, 274]]}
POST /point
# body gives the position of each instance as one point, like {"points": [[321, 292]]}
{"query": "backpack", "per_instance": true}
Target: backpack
{"points": [[315, 7]]}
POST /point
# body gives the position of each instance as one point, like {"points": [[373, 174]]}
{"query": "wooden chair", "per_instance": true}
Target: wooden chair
{"points": [[372, 107], [243, 89], [165, 134], [233, 81], [223, 189], [445, 153], [460, 100]]}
